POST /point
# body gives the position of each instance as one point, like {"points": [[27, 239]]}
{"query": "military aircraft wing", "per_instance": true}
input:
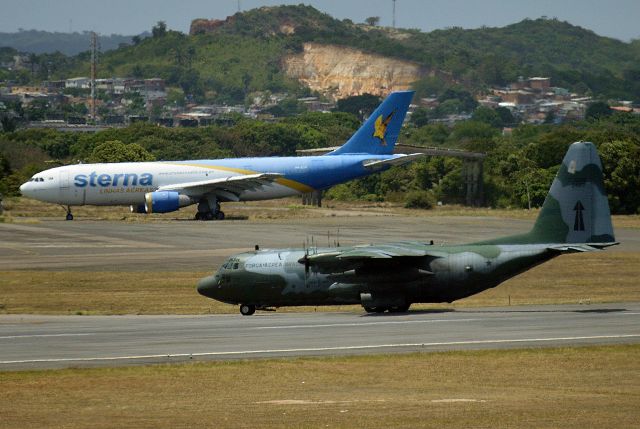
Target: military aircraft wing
{"points": [[361, 256], [398, 160], [234, 184]]}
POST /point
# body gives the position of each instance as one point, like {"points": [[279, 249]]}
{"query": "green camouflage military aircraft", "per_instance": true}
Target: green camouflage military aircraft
{"points": [[390, 277]]}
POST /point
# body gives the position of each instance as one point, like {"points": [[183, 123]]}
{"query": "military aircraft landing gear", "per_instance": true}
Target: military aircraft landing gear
{"points": [[69, 215], [399, 308], [247, 309], [375, 309], [395, 309]]}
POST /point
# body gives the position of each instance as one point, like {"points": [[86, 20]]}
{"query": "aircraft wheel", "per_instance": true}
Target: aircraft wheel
{"points": [[198, 216], [400, 309], [208, 216], [247, 310], [380, 309], [69, 216], [220, 215], [370, 309]]}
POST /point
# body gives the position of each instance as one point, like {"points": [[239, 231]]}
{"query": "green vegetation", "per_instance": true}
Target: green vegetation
{"points": [[518, 169], [25, 152], [570, 387], [116, 151], [244, 55]]}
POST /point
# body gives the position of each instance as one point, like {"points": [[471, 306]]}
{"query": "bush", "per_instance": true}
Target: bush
{"points": [[419, 200]]}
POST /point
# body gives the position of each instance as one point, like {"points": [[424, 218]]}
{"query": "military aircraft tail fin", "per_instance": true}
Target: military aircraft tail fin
{"points": [[379, 133], [576, 209]]}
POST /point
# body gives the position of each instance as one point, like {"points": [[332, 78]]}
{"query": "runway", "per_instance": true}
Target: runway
{"points": [[38, 342], [34, 342]]}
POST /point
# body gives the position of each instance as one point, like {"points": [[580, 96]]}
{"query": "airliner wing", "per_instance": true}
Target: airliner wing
{"points": [[397, 160], [233, 184]]}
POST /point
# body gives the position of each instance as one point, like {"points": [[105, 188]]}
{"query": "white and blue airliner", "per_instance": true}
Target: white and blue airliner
{"points": [[166, 186]]}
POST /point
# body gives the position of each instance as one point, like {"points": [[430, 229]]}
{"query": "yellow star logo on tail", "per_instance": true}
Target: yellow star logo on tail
{"points": [[381, 127]]}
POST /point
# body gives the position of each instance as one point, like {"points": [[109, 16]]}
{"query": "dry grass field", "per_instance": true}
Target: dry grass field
{"points": [[580, 387], [28, 210], [81, 292]]}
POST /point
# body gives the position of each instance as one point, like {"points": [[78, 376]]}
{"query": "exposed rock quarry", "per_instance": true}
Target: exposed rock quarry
{"points": [[339, 72]]}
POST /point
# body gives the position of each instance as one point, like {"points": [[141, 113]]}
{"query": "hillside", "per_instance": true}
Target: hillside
{"points": [[572, 56], [298, 49]]}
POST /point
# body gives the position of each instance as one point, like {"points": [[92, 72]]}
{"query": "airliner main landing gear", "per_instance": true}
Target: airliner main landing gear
{"points": [[69, 215], [209, 209]]}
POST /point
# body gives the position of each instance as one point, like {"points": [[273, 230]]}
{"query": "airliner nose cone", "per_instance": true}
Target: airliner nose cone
{"points": [[23, 188]]}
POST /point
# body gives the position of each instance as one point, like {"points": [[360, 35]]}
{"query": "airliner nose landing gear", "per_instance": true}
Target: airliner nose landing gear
{"points": [[69, 215]]}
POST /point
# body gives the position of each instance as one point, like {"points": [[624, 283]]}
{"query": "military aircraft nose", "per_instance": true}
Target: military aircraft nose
{"points": [[207, 286]]}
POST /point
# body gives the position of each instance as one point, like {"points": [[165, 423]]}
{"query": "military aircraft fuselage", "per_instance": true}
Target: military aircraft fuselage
{"points": [[575, 217], [287, 277]]}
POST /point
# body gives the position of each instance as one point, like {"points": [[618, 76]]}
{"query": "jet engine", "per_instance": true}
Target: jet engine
{"points": [[165, 201]]}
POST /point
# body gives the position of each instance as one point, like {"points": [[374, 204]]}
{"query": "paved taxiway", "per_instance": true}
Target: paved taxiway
{"points": [[181, 245], [28, 342]]}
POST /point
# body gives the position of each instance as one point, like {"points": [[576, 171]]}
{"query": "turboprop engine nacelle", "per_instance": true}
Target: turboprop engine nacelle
{"points": [[165, 201]]}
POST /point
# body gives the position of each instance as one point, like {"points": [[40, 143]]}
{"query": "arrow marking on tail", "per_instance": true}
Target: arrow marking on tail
{"points": [[578, 223]]}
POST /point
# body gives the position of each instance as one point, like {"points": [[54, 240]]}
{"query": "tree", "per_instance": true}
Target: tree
{"points": [[159, 30], [8, 124], [372, 21], [598, 110], [505, 115], [621, 167], [420, 117], [487, 116], [359, 105], [116, 151], [467, 102]]}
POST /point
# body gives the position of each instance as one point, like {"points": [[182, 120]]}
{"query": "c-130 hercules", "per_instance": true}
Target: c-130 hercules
{"points": [[390, 277]]}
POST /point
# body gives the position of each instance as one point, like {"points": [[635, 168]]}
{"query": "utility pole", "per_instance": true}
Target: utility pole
{"points": [[239, 8], [394, 14], [94, 60]]}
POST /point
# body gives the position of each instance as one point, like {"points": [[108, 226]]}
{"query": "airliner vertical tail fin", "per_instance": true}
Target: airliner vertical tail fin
{"points": [[379, 133]]}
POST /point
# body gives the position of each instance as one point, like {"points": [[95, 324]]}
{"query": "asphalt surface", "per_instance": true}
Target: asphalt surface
{"points": [[29, 342], [35, 342], [182, 245]]}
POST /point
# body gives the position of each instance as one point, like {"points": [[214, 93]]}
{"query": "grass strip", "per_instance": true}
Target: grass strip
{"points": [[544, 388]]}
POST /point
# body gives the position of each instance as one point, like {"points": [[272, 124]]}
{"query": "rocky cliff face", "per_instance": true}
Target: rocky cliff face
{"points": [[339, 72]]}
